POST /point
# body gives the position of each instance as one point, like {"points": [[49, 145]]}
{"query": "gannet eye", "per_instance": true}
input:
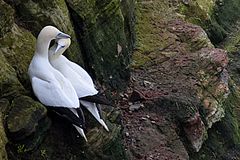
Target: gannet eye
{"points": [[62, 46]]}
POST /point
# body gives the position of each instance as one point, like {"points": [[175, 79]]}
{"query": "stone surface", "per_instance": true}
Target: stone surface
{"points": [[190, 97], [10, 86], [6, 18], [188, 76], [150, 141], [34, 15], [101, 30], [26, 119], [18, 46], [4, 105], [63, 136]]}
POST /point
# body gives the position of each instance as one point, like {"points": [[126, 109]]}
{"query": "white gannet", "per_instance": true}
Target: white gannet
{"points": [[49, 85], [80, 79]]}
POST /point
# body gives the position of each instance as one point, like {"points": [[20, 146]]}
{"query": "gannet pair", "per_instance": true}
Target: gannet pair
{"points": [[79, 78], [53, 88]]}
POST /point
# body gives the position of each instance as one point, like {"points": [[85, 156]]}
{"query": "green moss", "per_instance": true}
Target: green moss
{"points": [[227, 13], [27, 110], [224, 135], [105, 146], [26, 124], [232, 43], [18, 47], [4, 105], [139, 60], [103, 40], [9, 84], [6, 18], [149, 16], [202, 13], [34, 15]]}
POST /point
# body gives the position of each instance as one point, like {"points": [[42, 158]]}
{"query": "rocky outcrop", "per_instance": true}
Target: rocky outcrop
{"points": [[27, 124], [17, 46], [4, 106], [7, 19], [102, 32], [34, 15], [216, 17], [181, 79], [182, 100]]}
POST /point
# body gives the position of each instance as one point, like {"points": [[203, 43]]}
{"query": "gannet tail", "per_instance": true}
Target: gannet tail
{"points": [[97, 98], [92, 108], [81, 132]]}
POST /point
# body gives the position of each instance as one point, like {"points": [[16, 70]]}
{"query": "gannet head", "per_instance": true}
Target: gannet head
{"points": [[62, 45], [47, 34], [50, 32], [59, 48]]}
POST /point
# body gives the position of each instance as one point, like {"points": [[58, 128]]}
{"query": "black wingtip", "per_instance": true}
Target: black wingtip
{"points": [[70, 116], [100, 99]]}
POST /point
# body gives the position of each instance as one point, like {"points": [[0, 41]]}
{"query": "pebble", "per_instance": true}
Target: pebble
{"points": [[134, 107], [147, 83]]}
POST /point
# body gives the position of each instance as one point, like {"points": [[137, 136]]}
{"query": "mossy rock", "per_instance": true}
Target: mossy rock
{"points": [[26, 122], [18, 47], [4, 105], [6, 18], [105, 145], [34, 15], [9, 84], [224, 136], [201, 12], [101, 30]]}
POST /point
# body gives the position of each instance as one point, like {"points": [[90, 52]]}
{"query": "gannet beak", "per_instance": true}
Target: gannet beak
{"points": [[58, 47], [62, 35]]}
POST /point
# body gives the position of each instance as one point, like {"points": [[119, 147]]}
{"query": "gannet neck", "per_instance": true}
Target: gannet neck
{"points": [[59, 48], [47, 34], [42, 46], [52, 55]]}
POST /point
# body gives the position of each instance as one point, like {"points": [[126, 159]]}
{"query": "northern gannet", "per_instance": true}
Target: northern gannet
{"points": [[80, 79], [49, 85]]}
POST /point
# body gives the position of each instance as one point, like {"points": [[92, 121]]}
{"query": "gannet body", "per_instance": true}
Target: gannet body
{"points": [[49, 85], [80, 79]]}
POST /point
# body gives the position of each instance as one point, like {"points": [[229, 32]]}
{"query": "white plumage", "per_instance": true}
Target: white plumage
{"points": [[49, 85], [80, 79]]}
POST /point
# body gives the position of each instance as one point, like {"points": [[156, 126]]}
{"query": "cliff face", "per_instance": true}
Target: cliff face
{"points": [[182, 98], [102, 39], [186, 90]]}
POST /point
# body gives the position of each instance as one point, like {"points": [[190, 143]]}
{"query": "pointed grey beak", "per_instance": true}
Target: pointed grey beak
{"points": [[58, 47], [62, 35]]}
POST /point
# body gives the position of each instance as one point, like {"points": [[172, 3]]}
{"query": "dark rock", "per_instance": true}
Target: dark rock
{"points": [[26, 122], [6, 18], [105, 145], [18, 46], [4, 106], [189, 74], [195, 131], [137, 96], [34, 15], [101, 30]]}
